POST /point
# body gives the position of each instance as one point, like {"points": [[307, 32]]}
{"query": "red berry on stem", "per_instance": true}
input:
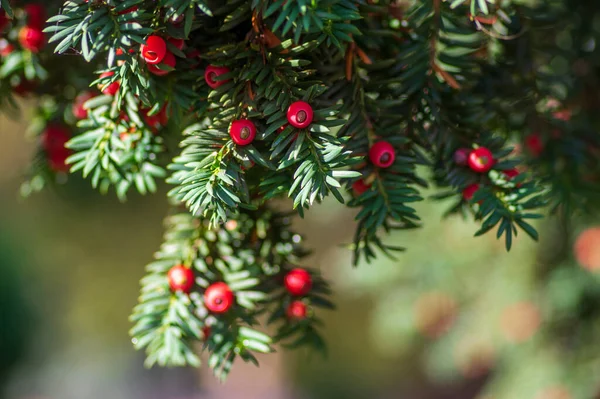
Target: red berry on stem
{"points": [[382, 154], [78, 110], [461, 156], [534, 144], [242, 132], [360, 186], [470, 191], [54, 138], [36, 15], [154, 50], [32, 39], [169, 61], [212, 72], [481, 160], [298, 282], [112, 88], [181, 278], [300, 114], [178, 43], [296, 310], [218, 298]]}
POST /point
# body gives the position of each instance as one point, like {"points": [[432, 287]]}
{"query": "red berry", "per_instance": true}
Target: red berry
{"points": [[57, 160], [32, 39], [511, 173], [54, 138], [178, 43], [242, 132], [6, 48], [300, 114], [154, 50], [36, 15], [481, 160], [298, 282], [382, 154], [112, 88], [181, 278], [218, 298], [169, 61], [157, 120], [534, 144], [360, 186], [461, 156], [469, 191], [296, 311], [78, 111], [212, 72]]}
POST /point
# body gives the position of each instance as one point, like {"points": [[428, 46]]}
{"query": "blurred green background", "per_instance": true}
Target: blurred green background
{"points": [[454, 317]]}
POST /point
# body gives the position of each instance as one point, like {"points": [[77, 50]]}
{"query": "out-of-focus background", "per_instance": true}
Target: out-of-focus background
{"points": [[454, 317]]}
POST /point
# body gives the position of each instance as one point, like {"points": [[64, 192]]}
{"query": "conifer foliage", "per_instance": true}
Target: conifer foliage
{"points": [[237, 103]]}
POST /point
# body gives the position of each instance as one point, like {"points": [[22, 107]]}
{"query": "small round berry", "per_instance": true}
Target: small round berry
{"points": [[382, 154], [218, 298], [461, 156], [109, 89], [6, 48], [510, 173], [242, 132], [54, 138], [481, 160], [181, 278], [298, 282], [178, 43], [360, 186], [212, 72], [300, 114], [470, 191], [36, 15], [296, 311], [78, 110], [57, 160], [32, 39], [154, 50], [169, 61], [534, 144]]}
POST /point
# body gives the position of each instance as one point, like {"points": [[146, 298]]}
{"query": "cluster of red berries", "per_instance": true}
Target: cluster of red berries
{"points": [[31, 36], [54, 138], [158, 57], [218, 297], [298, 282]]}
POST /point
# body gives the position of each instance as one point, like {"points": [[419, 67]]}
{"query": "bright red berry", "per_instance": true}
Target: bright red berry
{"points": [[218, 298], [78, 110], [242, 132], [300, 114], [57, 160], [212, 72], [481, 160], [169, 61], [32, 39], [109, 89], [469, 191], [360, 186], [296, 310], [461, 156], [6, 48], [178, 43], [36, 15], [534, 144], [511, 173], [54, 138], [154, 50], [181, 278], [298, 282], [382, 154]]}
